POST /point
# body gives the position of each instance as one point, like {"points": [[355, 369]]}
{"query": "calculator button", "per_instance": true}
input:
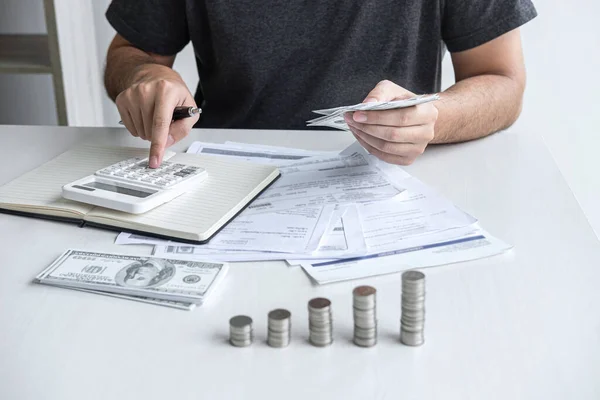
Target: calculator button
{"points": [[136, 170]]}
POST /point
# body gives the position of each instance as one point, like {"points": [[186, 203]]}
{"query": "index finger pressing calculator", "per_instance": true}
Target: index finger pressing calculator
{"points": [[131, 186]]}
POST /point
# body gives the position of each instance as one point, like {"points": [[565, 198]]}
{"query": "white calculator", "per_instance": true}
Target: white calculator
{"points": [[131, 186]]}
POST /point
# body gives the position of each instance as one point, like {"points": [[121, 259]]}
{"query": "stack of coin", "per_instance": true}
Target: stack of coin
{"points": [[319, 322], [240, 331], [412, 321], [279, 328], [365, 319]]}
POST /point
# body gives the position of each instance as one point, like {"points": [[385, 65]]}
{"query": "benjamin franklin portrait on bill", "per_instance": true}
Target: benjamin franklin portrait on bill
{"points": [[145, 273]]}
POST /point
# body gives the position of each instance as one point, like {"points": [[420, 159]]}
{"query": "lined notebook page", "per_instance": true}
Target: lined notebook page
{"points": [[197, 214], [40, 189]]}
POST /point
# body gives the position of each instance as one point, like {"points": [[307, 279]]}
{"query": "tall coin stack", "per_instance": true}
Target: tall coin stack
{"points": [[279, 328], [319, 322], [240, 331], [412, 322], [365, 319]]}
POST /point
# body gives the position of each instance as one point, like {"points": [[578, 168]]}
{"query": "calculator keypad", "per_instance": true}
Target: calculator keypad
{"points": [[136, 171]]}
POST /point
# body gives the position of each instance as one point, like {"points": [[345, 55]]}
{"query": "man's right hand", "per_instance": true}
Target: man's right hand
{"points": [[146, 108]]}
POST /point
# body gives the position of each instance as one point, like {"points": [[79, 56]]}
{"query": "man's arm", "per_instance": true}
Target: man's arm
{"points": [[488, 94], [487, 97], [125, 63], [146, 90]]}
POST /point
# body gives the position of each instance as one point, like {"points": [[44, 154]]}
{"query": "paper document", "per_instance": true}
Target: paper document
{"points": [[346, 240], [344, 233], [134, 238], [307, 185], [281, 149], [340, 216], [386, 223], [192, 253], [447, 248], [285, 230], [271, 155], [292, 215]]}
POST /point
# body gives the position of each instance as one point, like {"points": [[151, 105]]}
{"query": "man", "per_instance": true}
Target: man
{"points": [[267, 64]]}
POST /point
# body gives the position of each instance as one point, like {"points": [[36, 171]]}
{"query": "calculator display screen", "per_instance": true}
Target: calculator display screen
{"points": [[120, 189]]}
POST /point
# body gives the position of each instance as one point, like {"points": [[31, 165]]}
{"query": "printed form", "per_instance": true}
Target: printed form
{"points": [[340, 216]]}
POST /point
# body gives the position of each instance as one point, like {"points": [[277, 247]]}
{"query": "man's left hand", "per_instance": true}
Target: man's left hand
{"points": [[395, 136]]}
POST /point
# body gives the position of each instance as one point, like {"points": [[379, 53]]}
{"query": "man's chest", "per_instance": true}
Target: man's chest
{"points": [[263, 26]]}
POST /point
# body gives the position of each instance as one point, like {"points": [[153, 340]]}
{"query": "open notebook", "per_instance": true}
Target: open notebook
{"points": [[192, 217]]}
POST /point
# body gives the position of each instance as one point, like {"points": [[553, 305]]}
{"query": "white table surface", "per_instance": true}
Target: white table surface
{"points": [[525, 325]]}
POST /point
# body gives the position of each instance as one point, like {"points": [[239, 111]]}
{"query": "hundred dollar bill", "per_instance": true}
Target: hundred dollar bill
{"points": [[180, 305], [334, 117], [150, 277]]}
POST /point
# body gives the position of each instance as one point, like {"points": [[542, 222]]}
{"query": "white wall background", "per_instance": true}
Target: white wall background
{"points": [[561, 103]]}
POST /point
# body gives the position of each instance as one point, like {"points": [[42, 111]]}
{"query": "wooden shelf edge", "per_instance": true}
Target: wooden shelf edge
{"points": [[25, 54]]}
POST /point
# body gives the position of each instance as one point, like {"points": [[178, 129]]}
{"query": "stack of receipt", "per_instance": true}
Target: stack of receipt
{"points": [[168, 282], [339, 216]]}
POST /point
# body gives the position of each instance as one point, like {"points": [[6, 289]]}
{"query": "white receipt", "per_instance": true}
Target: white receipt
{"points": [[302, 188], [386, 223], [452, 246], [341, 216], [288, 230], [271, 155]]}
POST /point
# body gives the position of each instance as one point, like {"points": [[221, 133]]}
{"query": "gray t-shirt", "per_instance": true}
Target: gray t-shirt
{"points": [[266, 64]]}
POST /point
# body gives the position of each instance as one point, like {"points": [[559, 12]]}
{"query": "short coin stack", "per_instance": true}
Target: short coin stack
{"points": [[240, 331], [319, 322], [279, 328], [412, 322], [365, 319]]}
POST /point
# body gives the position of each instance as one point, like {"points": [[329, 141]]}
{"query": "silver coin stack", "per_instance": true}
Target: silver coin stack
{"points": [[240, 331], [365, 319], [279, 328], [412, 321], [319, 322]]}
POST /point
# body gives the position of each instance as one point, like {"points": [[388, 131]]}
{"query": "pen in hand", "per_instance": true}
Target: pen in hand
{"points": [[182, 112]]}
